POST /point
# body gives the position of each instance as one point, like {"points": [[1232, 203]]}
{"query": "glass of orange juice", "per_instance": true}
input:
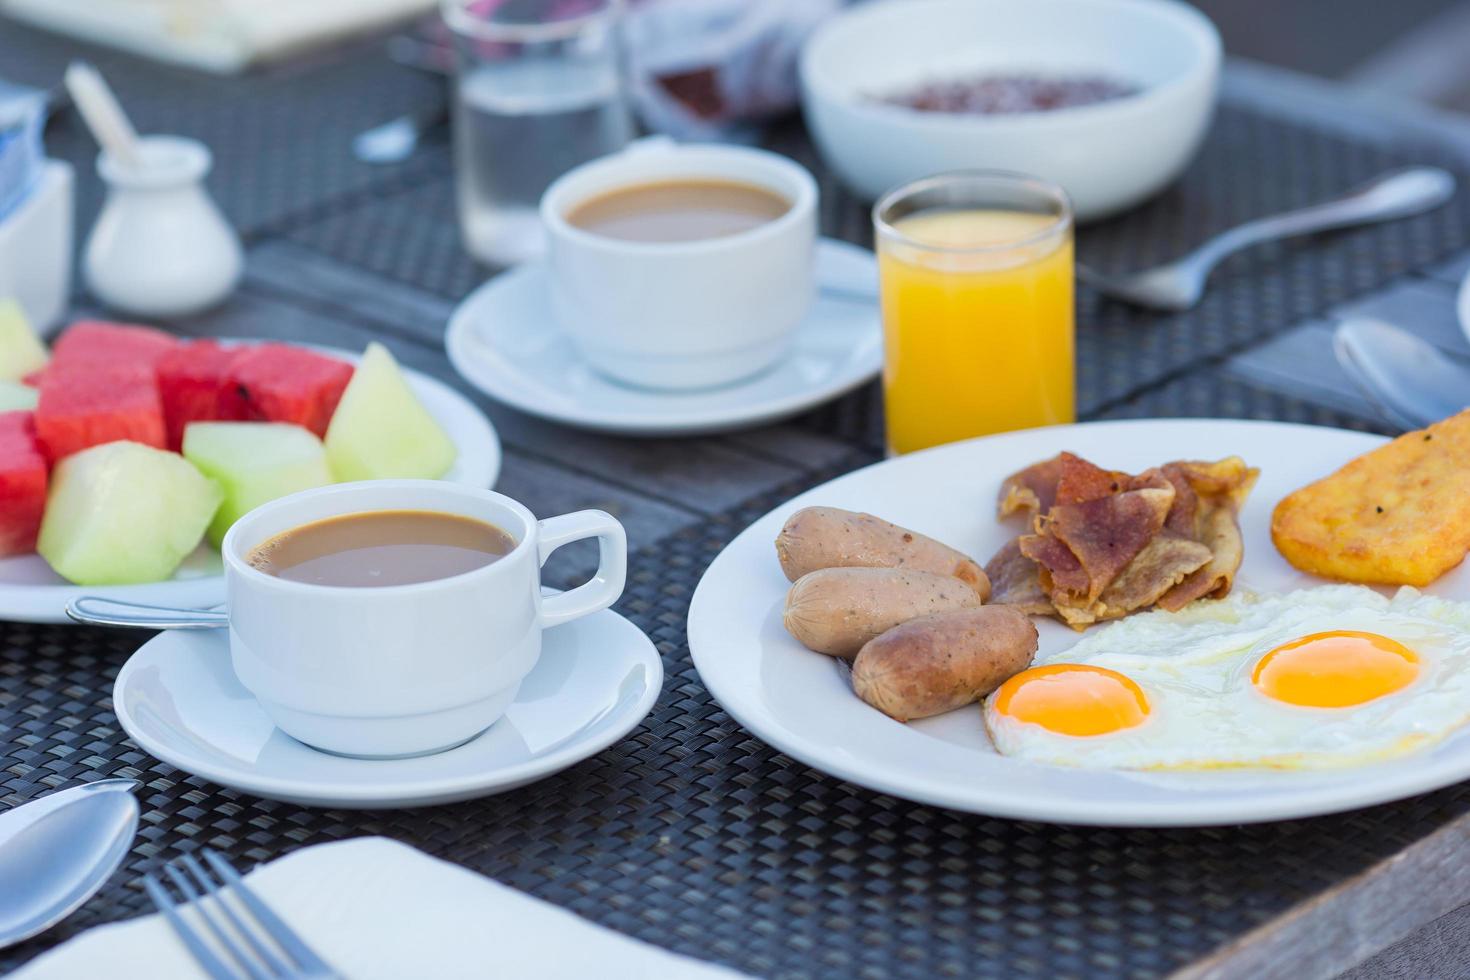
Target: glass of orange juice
{"points": [[975, 279]]}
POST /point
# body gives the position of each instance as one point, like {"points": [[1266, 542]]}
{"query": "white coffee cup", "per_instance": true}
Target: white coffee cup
{"points": [[403, 670], [682, 314]]}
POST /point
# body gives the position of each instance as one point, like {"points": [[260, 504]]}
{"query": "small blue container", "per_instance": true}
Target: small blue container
{"points": [[21, 154]]}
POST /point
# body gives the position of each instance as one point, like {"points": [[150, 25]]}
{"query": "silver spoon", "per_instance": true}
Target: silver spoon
{"points": [[57, 851], [93, 610], [1177, 286], [1408, 380]]}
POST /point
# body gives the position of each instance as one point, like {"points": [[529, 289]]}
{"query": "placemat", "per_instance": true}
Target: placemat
{"points": [[694, 835], [1205, 393], [281, 138], [1201, 393], [1253, 163]]}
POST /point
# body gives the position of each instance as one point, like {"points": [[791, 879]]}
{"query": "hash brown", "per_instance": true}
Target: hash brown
{"points": [[1398, 515]]}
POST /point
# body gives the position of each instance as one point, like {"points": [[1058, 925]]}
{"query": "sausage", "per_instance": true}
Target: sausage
{"points": [[828, 537], [837, 610], [940, 662]]}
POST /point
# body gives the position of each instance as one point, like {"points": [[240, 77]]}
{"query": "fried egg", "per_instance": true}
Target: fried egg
{"points": [[1324, 677]]}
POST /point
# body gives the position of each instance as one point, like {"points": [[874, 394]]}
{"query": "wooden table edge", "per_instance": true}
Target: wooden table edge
{"points": [[1353, 920]]}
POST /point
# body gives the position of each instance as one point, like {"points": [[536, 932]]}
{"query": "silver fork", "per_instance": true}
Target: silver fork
{"points": [[256, 941], [1180, 284]]}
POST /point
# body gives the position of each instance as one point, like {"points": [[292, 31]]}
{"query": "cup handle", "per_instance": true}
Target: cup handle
{"points": [[612, 567]]}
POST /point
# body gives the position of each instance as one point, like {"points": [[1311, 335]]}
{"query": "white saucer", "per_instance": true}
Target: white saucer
{"points": [[30, 592], [178, 698], [503, 339]]}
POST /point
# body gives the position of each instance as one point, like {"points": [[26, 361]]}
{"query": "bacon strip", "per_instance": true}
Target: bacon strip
{"points": [[1015, 580], [1106, 533], [1220, 490], [1105, 543]]}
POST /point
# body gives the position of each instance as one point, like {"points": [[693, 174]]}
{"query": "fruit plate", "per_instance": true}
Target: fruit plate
{"points": [[802, 702], [31, 592]]}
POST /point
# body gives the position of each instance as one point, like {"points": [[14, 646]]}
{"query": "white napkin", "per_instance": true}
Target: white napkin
{"points": [[216, 35], [372, 907]]}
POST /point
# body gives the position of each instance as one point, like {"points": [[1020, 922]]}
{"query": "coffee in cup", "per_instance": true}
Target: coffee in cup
{"points": [[431, 653], [682, 267], [690, 210]]}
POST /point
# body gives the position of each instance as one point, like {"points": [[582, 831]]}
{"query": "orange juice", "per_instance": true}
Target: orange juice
{"points": [[977, 323]]}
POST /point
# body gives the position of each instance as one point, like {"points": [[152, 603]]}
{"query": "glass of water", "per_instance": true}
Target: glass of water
{"points": [[538, 91]]}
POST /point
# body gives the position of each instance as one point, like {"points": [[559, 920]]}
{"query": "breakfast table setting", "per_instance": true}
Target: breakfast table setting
{"points": [[705, 330]]}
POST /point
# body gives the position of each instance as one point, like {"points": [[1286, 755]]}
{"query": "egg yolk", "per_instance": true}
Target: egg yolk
{"points": [[1336, 669], [1073, 699]]}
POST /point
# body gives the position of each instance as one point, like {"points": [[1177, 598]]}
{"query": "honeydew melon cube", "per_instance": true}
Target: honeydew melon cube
{"points": [[17, 397], [381, 430], [122, 513], [21, 351], [254, 463]]}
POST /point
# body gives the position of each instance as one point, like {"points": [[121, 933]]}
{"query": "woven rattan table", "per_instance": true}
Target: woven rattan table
{"points": [[690, 833]]}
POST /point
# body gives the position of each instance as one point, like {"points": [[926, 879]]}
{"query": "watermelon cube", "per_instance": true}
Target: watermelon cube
{"points": [[280, 383], [92, 343], [88, 406], [194, 386], [22, 484]]}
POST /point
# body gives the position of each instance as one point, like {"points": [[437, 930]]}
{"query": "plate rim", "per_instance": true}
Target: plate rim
{"points": [[386, 795], [748, 709], [462, 325], [1462, 305], [207, 589]]}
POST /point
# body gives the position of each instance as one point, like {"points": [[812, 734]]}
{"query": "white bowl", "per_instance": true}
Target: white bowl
{"points": [[1107, 156]]}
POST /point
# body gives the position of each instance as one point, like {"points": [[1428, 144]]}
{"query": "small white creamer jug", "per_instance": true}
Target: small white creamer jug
{"points": [[161, 247]]}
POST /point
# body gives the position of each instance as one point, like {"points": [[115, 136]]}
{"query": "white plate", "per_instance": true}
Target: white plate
{"points": [[802, 702], [1462, 305], [30, 592], [503, 339], [178, 698]]}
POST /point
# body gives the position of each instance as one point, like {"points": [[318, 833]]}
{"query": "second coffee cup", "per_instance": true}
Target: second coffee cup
{"points": [[682, 266]]}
